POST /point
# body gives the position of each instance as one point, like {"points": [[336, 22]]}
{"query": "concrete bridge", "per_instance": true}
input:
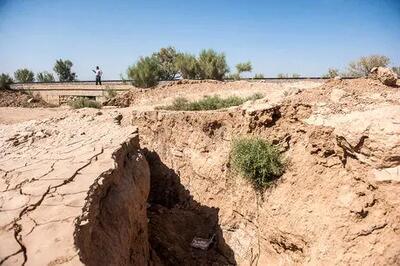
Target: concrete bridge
{"points": [[60, 93]]}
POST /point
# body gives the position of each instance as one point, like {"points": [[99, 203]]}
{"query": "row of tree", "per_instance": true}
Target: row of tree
{"points": [[62, 68], [169, 64], [362, 67]]}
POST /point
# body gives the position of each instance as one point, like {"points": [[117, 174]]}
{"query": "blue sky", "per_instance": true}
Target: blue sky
{"points": [[301, 36]]}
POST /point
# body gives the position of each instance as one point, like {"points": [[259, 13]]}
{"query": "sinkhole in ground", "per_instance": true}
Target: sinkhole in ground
{"points": [[175, 219]]}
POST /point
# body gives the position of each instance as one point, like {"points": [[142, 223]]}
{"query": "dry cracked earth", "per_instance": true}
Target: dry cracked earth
{"points": [[79, 188]]}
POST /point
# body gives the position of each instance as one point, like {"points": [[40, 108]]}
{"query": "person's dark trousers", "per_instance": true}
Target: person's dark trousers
{"points": [[98, 80]]}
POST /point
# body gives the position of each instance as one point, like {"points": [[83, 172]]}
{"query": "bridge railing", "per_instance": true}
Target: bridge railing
{"points": [[128, 81]]}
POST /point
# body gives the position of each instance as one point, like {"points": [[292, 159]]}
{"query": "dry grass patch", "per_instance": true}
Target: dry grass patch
{"points": [[83, 102]]}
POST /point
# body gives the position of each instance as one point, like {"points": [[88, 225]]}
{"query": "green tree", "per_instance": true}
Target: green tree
{"points": [[63, 70], [188, 66], [244, 67], [332, 72], [145, 73], [5, 81], [282, 76], [44, 77], [24, 75], [166, 58], [286, 76], [362, 67], [234, 76], [212, 65], [259, 76]]}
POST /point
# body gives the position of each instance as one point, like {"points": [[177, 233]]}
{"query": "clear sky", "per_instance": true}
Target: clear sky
{"points": [[301, 36]]}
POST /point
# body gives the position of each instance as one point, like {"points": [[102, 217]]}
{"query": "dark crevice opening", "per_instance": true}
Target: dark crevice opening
{"points": [[175, 219]]}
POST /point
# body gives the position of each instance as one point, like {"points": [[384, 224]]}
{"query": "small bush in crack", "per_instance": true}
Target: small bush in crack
{"points": [[83, 102], [255, 96], [180, 103], [209, 103], [110, 92], [257, 160]]}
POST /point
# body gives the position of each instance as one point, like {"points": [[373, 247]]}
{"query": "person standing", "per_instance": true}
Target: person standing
{"points": [[98, 73]]}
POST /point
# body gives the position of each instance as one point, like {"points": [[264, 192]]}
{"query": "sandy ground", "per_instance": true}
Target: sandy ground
{"points": [[11, 115]]}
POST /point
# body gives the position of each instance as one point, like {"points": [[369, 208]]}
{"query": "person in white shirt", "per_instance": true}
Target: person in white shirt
{"points": [[98, 73]]}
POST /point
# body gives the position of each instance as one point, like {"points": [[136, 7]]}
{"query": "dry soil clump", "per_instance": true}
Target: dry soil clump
{"points": [[11, 98]]}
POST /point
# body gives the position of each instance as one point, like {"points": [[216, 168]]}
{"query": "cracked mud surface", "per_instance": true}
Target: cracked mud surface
{"points": [[46, 170]]}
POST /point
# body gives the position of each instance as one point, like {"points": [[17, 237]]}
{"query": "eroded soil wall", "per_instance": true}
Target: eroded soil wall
{"points": [[113, 229], [326, 208]]}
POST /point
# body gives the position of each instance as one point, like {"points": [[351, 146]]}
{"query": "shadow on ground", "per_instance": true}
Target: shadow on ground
{"points": [[175, 219]]}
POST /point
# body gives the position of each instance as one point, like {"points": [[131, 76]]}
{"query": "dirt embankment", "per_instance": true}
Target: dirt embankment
{"points": [[12, 98], [337, 202], [147, 99]]}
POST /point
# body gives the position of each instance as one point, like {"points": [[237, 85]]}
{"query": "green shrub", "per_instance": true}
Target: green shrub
{"points": [[244, 67], [233, 76], [282, 76], [166, 59], [82, 102], [5, 81], [188, 66], [212, 65], [285, 75], [362, 67], [209, 103], [332, 72], [255, 96], [240, 68], [63, 70], [145, 73], [24, 75], [29, 92], [180, 103], [149, 70], [259, 76], [44, 77], [110, 93], [256, 160], [214, 102], [167, 63]]}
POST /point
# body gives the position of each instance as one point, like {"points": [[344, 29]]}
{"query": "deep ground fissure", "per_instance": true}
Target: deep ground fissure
{"points": [[175, 219]]}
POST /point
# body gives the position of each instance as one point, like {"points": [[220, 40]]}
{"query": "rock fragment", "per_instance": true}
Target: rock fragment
{"points": [[117, 118], [385, 75]]}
